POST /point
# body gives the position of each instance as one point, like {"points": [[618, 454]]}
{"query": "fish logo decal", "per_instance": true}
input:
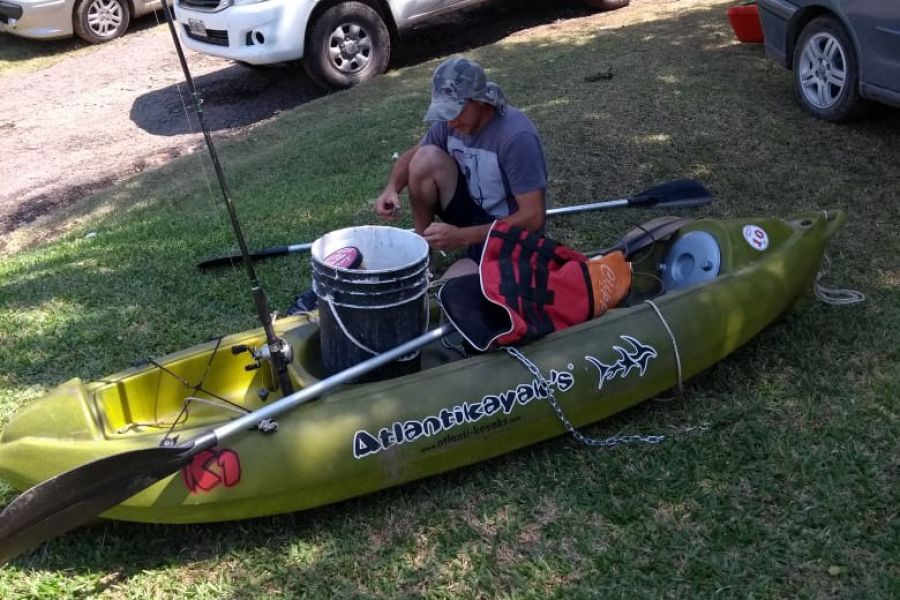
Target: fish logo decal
{"points": [[637, 358]]}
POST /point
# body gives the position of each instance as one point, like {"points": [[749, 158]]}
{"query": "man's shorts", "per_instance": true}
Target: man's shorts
{"points": [[463, 211]]}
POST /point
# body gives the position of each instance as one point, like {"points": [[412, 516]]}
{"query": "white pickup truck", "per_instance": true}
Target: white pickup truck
{"points": [[341, 42]]}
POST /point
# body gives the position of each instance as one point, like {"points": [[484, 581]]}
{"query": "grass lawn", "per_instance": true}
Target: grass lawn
{"points": [[790, 491]]}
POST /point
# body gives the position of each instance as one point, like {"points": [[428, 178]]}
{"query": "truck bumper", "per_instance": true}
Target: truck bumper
{"points": [[258, 34]]}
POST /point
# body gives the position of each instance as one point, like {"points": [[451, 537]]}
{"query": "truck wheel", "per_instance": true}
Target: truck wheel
{"points": [[347, 44], [604, 5], [98, 21], [826, 73]]}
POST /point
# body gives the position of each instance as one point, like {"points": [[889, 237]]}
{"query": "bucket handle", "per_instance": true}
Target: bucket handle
{"points": [[365, 348]]}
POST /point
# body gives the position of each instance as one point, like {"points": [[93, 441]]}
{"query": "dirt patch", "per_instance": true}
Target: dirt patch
{"points": [[89, 121]]}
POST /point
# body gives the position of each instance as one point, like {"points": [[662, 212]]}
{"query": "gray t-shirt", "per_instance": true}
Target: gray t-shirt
{"points": [[503, 159]]}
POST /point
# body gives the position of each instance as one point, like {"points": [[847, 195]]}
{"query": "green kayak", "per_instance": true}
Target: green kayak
{"points": [[725, 280]]}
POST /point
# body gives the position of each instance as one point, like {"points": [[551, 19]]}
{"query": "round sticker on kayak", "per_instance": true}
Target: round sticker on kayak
{"points": [[756, 236]]}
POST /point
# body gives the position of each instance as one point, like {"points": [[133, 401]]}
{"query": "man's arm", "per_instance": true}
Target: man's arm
{"points": [[531, 216], [532, 213], [387, 205]]}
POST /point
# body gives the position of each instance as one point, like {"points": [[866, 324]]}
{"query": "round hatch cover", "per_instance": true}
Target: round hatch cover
{"points": [[693, 258]]}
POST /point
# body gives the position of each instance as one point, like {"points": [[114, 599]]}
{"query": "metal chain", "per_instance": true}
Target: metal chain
{"points": [[554, 404]]}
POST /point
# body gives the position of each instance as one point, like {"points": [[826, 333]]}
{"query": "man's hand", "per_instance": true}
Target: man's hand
{"points": [[442, 236], [387, 205]]}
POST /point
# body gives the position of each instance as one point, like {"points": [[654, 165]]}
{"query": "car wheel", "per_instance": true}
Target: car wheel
{"points": [[98, 21], [826, 72], [347, 44], [604, 5]]}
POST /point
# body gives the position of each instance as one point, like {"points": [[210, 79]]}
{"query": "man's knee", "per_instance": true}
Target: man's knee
{"points": [[432, 172], [431, 163]]}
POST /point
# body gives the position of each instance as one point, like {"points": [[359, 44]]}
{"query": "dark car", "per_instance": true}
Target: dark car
{"points": [[842, 52]]}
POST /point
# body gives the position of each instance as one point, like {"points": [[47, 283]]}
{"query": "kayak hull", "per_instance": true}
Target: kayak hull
{"points": [[362, 438]]}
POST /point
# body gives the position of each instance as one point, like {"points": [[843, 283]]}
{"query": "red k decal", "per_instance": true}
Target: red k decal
{"points": [[210, 468]]}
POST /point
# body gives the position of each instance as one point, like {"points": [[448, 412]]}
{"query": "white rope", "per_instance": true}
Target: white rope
{"points": [[834, 296], [365, 348], [674, 345]]}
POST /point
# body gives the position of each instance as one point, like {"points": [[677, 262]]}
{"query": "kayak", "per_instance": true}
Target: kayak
{"points": [[696, 297]]}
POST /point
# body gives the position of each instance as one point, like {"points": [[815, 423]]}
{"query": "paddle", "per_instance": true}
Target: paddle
{"points": [[681, 193], [77, 496]]}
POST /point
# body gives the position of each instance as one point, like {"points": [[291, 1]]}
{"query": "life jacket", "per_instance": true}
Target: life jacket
{"points": [[528, 286]]}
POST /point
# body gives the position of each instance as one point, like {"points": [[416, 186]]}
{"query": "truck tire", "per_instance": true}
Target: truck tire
{"points": [[347, 44], [604, 5], [98, 21]]}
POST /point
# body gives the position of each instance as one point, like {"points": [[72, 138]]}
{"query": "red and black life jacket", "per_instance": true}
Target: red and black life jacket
{"points": [[528, 286]]}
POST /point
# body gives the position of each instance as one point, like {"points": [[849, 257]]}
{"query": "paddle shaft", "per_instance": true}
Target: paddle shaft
{"points": [[682, 193], [317, 389]]}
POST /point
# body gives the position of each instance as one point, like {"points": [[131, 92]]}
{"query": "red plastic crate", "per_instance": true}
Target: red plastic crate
{"points": [[745, 22]]}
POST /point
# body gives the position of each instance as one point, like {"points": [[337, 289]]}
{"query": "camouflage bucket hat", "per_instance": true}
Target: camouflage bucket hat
{"points": [[455, 82]]}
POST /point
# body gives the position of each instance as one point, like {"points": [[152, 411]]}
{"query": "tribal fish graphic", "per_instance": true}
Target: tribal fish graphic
{"points": [[638, 358]]}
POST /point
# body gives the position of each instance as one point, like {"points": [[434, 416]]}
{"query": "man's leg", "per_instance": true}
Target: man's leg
{"points": [[432, 184]]}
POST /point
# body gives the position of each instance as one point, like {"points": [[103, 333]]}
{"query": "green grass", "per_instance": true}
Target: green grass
{"points": [[790, 491]]}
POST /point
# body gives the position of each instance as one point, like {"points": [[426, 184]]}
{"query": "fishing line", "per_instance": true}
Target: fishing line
{"points": [[216, 211]]}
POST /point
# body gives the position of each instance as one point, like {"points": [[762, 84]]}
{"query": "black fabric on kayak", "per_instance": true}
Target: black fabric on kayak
{"points": [[475, 317]]}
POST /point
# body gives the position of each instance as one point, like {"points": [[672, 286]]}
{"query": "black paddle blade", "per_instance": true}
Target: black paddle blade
{"points": [[75, 497], [681, 193]]}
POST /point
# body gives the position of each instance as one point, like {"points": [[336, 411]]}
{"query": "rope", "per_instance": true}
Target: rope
{"points": [[363, 347], [674, 345], [834, 296]]}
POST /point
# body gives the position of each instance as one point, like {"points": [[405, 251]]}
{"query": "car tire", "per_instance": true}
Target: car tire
{"points": [[346, 45], [605, 5], [99, 21], [826, 71]]}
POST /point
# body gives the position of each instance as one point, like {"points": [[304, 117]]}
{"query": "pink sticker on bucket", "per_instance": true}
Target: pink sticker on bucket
{"points": [[345, 258]]}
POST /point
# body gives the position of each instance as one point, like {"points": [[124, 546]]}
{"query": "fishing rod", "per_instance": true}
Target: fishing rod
{"points": [[276, 350], [681, 193]]}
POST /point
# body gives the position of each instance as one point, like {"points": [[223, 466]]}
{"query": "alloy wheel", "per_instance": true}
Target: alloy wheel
{"points": [[823, 70]]}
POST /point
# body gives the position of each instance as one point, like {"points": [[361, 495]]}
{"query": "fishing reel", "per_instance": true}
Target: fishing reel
{"points": [[265, 354]]}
